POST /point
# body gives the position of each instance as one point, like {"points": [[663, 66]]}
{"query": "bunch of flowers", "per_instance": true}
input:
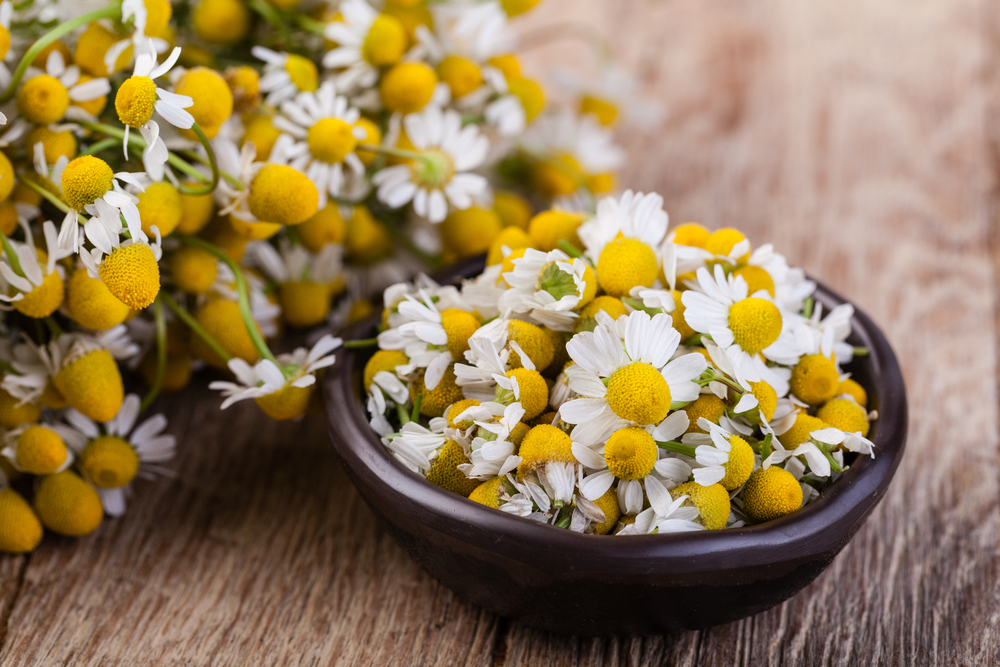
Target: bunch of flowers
{"points": [[181, 182], [608, 374]]}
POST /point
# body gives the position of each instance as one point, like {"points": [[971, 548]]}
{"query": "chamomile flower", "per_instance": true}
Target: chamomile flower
{"points": [[37, 281], [673, 517], [744, 325], [549, 286], [281, 390], [306, 281], [139, 96], [112, 454], [416, 446], [725, 457], [88, 184], [493, 453], [285, 75], [39, 449], [320, 138], [441, 177], [625, 375], [46, 97], [366, 40]]}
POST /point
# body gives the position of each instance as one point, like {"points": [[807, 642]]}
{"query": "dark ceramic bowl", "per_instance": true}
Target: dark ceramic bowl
{"points": [[557, 580]]}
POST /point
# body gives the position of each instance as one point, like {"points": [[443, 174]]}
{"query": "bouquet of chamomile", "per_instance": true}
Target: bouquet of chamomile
{"points": [[183, 182], [607, 374]]}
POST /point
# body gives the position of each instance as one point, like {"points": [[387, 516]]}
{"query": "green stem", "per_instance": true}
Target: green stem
{"points": [[639, 305], [208, 187], [825, 449], [361, 343], [573, 251], [243, 295], [136, 139], [7, 368], [53, 326], [395, 152], [101, 145], [11, 255], [678, 447], [712, 375], [161, 355], [111, 12], [232, 180], [415, 414], [310, 24], [52, 199], [807, 307], [192, 324], [404, 416], [860, 351], [271, 15]]}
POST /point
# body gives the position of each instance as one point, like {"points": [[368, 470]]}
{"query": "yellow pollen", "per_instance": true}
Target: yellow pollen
{"points": [[470, 231], [196, 212], [709, 406], [512, 237], [134, 101], [612, 512], [459, 325], [638, 393], [383, 360], [158, 13], [507, 64], [815, 379], [800, 430], [455, 409], [287, 403], [212, 99], [193, 270], [626, 263], [331, 140], [603, 110], [302, 72], [327, 226], [40, 451], [533, 341], [855, 390], [507, 264], [373, 137], [44, 299], [722, 241], [7, 183], [558, 176], [678, 317], [542, 444], [548, 228], [712, 502], [366, 240], [533, 391], [244, 82], [4, 42], [42, 100], [771, 494], [252, 231], [221, 319], [385, 43], [513, 209], [444, 470], [160, 206], [54, 144], [608, 304], [304, 304], [488, 493], [93, 385], [91, 47], [84, 180], [691, 234], [282, 195], [757, 279], [407, 87], [630, 453], [434, 402], [20, 529], [96, 106], [740, 464], [68, 505], [223, 22], [755, 323], [91, 304], [14, 413], [109, 462], [260, 132], [845, 414], [132, 275], [461, 74], [531, 94]]}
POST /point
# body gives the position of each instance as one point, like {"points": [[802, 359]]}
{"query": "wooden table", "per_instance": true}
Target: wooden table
{"points": [[860, 137]]}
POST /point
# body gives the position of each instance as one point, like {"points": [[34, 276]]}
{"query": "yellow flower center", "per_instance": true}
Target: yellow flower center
{"points": [[626, 263], [54, 144], [855, 390], [160, 206], [603, 110], [193, 270], [531, 94], [722, 242], [302, 72], [548, 228], [638, 393], [459, 325], [212, 101], [132, 275], [366, 240], [630, 453], [93, 385], [42, 100], [800, 430], [691, 234], [282, 195], [757, 279], [444, 470], [221, 319], [709, 406], [407, 87], [434, 402], [612, 512], [558, 176], [461, 74], [158, 13], [91, 48], [608, 304], [287, 403], [330, 140], [373, 137], [542, 444], [304, 304], [84, 180], [845, 414], [13, 412], [222, 22], [95, 106], [533, 341], [507, 64], [196, 212], [755, 324], [458, 408], [740, 464], [44, 299], [515, 7], [260, 132], [40, 451], [488, 493], [470, 231], [513, 237], [134, 101], [385, 360], [533, 391], [327, 226], [7, 186], [91, 304], [385, 43], [600, 183], [767, 398], [712, 502], [109, 462], [771, 494], [815, 379], [68, 505], [4, 42], [20, 529], [244, 82]]}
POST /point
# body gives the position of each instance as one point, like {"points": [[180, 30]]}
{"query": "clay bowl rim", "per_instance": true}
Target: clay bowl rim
{"points": [[821, 527]]}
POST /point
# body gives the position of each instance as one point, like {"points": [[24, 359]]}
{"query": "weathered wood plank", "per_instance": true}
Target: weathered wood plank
{"points": [[855, 136]]}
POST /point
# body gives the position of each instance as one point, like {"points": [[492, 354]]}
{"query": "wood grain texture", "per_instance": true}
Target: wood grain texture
{"points": [[857, 136]]}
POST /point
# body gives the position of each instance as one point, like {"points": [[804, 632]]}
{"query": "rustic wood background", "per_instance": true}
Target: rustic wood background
{"points": [[860, 137]]}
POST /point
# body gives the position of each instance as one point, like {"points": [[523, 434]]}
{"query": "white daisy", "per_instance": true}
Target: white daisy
{"points": [[441, 178], [33, 273], [417, 446], [672, 517], [296, 263], [11, 440], [634, 215], [349, 35], [285, 75], [549, 286]]}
